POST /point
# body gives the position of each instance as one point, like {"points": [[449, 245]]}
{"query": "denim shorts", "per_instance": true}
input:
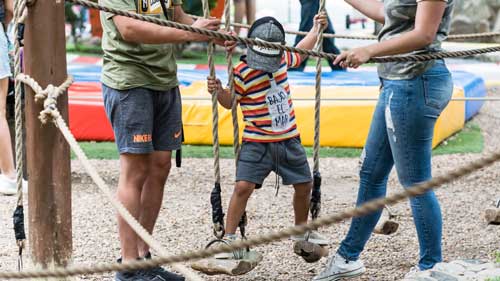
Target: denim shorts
{"points": [[5, 70], [286, 158], [144, 120]]}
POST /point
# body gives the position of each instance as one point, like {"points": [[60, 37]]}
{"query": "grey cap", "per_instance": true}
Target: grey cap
{"points": [[266, 29]]}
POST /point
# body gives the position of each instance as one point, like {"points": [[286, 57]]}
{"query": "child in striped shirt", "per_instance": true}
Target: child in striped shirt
{"points": [[271, 140]]}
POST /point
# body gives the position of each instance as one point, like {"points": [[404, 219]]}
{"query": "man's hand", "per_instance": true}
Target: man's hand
{"points": [[210, 24], [214, 85]]}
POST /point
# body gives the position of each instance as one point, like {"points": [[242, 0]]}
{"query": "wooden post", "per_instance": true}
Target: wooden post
{"points": [[48, 153]]}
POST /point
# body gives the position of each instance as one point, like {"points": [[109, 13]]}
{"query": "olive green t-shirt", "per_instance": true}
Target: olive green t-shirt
{"points": [[129, 65], [399, 19]]}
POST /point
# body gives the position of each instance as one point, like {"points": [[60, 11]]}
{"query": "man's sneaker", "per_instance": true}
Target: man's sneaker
{"points": [[314, 237], [339, 267], [8, 186], [159, 273], [131, 276]]}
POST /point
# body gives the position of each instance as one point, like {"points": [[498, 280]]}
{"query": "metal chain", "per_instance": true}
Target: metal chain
{"points": [[247, 41], [362, 210]]}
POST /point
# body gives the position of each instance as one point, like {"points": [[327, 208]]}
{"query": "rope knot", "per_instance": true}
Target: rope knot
{"points": [[50, 104]]}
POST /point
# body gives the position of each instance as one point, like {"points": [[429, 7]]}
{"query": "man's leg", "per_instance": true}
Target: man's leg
{"points": [[251, 10], [309, 8], [239, 12], [133, 174], [301, 201], [238, 204], [152, 193]]}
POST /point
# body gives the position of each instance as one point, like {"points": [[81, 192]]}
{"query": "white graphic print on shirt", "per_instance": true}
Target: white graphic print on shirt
{"points": [[279, 109]]}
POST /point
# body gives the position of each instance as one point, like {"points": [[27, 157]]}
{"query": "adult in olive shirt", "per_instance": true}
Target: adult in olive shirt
{"points": [[143, 104]]}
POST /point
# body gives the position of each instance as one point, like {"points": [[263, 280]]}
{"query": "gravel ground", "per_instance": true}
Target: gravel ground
{"points": [[186, 211]]}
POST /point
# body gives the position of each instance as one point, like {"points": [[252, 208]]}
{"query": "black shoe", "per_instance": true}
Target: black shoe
{"points": [[159, 273], [131, 276]]}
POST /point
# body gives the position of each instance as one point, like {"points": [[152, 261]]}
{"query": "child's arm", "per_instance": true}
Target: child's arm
{"points": [[320, 22], [223, 95]]}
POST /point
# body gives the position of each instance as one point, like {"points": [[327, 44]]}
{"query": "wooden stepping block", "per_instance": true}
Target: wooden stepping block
{"points": [[213, 266], [386, 225], [310, 252], [492, 216]]}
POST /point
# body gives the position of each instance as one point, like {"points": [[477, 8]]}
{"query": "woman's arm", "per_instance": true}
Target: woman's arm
{"points": [[427, 21], [373, 9]]}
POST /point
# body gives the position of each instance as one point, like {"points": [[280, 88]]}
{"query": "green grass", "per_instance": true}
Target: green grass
{"points": [[469, 140], [493, 279], [497, 257]]}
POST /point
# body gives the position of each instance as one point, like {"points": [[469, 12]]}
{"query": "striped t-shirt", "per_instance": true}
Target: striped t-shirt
{"points": [[252, 87]]}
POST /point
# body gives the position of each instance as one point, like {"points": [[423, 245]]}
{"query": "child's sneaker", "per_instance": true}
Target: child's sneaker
{"points": [[339, 267], [314, 237], [9, 187], [236, 254]]}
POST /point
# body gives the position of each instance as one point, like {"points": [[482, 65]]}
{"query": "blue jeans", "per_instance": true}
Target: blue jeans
{"points": [[401, 135], [309, 8]]}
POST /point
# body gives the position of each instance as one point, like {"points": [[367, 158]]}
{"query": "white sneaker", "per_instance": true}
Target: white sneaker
{"points": [[338, 267], [314, 237], [9, 187], [412, 273]]}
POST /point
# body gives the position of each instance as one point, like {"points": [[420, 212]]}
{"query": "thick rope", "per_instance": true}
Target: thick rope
{"points": [[19, 8], [215, 103], [368, 37], [362, 210], [366, 99], [248, 41], [317, 104], [20, 12], [51, 110], [230, 71]]}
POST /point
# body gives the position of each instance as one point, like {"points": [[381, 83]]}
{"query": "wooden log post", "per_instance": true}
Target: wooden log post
{"points": [[50, 237]]}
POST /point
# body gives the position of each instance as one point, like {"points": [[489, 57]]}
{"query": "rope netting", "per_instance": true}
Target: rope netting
{"points": [[51, 113]]}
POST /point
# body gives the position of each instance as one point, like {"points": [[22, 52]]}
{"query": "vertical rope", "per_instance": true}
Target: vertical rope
{"points": [[230, 71], [317, 105], [215, 113], [18, 216], [315, 206], [19, 7]]}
